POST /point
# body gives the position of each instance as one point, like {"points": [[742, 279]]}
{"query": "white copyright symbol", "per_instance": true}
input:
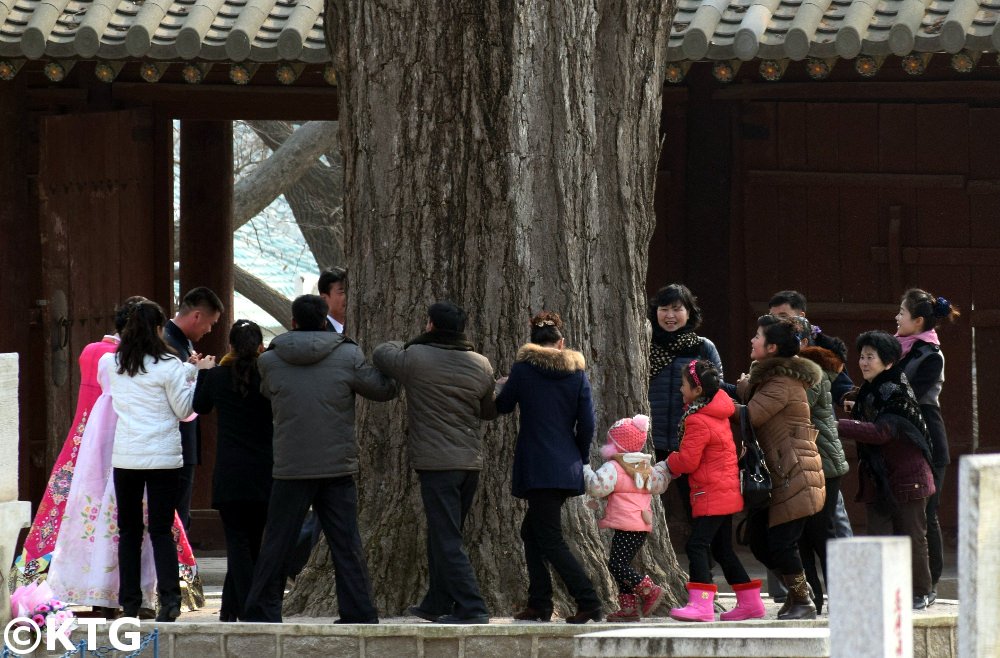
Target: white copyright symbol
{"points": [[22, 635]]}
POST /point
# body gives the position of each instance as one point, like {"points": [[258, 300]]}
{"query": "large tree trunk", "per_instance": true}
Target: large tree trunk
{"points": [[500, 154]]}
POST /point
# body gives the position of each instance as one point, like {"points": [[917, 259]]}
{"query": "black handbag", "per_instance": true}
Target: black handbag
{"points": [[755, 479]]}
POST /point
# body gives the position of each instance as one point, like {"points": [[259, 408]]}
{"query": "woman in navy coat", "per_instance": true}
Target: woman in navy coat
{"points": [[550, 386]]}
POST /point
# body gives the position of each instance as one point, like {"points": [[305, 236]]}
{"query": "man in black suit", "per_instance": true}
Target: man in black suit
{"points": [[333, 289], [199, 311]]}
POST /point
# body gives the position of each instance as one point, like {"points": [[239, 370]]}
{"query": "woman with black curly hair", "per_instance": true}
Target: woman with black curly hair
{"points": [[894, 449]]}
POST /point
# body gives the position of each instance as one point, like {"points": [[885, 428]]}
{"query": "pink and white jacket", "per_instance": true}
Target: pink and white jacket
{"points": [[630, 498]]}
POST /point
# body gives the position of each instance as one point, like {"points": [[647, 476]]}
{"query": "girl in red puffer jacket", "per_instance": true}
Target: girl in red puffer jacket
{"points": [[707, 453]]}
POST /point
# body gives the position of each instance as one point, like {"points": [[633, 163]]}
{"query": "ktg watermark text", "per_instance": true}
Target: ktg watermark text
{"points": [[22, 635]]}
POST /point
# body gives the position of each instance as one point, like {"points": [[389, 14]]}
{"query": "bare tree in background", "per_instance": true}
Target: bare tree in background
{"points": [[303, 163]]}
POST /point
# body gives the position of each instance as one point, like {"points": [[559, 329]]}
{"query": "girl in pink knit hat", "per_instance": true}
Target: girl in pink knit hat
{"points": [[629, 483]]}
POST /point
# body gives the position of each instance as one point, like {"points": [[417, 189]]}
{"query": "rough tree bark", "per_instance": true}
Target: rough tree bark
{"points": [[500, 153]]}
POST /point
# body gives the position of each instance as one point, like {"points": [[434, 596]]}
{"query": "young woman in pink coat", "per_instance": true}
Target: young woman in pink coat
{"points": [[707, 454], [629, 482]]}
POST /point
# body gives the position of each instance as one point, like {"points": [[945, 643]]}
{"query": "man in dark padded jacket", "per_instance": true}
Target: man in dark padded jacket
{"points": [[312, 376]]}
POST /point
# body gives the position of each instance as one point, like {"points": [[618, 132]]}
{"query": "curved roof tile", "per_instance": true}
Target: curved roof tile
{"points": [[796, 29], [170, 30]]}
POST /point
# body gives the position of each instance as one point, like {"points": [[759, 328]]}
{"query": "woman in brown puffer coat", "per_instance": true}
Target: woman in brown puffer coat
{"points": [[775, 396]]}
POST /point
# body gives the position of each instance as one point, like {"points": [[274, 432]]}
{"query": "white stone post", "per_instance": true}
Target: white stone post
{"points": [[979, 556], [871, 597], [14, 514]]}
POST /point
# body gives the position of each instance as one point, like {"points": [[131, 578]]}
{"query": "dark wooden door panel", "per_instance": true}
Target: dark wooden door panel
{"points": [[852, 204], [96, 217]]}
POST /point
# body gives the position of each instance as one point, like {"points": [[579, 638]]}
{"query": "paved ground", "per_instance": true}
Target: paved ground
{"points": [[213, 573]]}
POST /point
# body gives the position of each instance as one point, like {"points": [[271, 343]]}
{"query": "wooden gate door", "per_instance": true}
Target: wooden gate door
{"points": [[100, 244], [852, 203]]}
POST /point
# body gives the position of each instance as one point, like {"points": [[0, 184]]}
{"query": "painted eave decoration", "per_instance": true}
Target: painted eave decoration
{"points": [[195, 33], [819, 32]]}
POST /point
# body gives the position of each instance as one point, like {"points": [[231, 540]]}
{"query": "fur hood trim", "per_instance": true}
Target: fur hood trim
{"points": [[804, 370], [549, 358], [826, 359]]}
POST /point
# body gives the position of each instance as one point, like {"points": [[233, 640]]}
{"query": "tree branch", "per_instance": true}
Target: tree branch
{"points": [[286, 165], [257, 291], [315, 198]]}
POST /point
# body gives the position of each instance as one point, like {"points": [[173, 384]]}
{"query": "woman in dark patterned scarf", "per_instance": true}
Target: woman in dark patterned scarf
{"points": [[894, 449], [675, 316]]}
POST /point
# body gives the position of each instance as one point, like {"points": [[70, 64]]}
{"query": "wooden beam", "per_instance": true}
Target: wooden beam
{"points": [[228, 102], [852, 179], [849, 312], [864, 90], [206, 248], [947, 256]]}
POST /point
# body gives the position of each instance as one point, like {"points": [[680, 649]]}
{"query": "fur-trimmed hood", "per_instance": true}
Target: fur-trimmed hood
{"points": [[824, 358], [550, 360], [804, 370]]}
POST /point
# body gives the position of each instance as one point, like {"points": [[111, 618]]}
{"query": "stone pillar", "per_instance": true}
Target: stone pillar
{"points": [[871, 597], [206, 251], [14, 514], [978, 556]]}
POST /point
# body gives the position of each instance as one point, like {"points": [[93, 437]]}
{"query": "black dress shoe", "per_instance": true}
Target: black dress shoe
{"points": [[534, 614], [417, 611], [453, 619], [583, 616], [168, 613]]}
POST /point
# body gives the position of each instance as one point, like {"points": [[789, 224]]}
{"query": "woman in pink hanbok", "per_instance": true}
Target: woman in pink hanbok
{"points": [[73, 540]]}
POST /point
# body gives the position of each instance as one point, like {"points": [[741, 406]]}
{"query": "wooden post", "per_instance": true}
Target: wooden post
{"points": [[206, 259]]}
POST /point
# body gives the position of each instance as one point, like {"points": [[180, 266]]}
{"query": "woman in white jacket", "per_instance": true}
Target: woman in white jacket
{"points": [[151, 391]]}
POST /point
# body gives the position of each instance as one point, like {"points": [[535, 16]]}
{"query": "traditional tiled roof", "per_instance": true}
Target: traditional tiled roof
{"points": [[797, 29], [171, 30]]}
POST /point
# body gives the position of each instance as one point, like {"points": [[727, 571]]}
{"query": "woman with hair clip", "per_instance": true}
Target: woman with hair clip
{"points": [[675, 316], [151, 390], [33, 563], [549, 384], [923, 364], [775, 394], [241, 483], [84, 567]]}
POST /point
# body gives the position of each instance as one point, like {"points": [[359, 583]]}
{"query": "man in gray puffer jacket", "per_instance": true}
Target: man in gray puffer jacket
{"points": [[311, 377], [449, 392]]}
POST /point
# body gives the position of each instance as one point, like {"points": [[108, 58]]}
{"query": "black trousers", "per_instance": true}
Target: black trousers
{"points": [[625, 545], [776, 548], [453, 589], [935, 541], [160, 486], [243, 524], [714, 534], [185, 487], [812, 543], [543, 540], [907, 519], [335, 501]]}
